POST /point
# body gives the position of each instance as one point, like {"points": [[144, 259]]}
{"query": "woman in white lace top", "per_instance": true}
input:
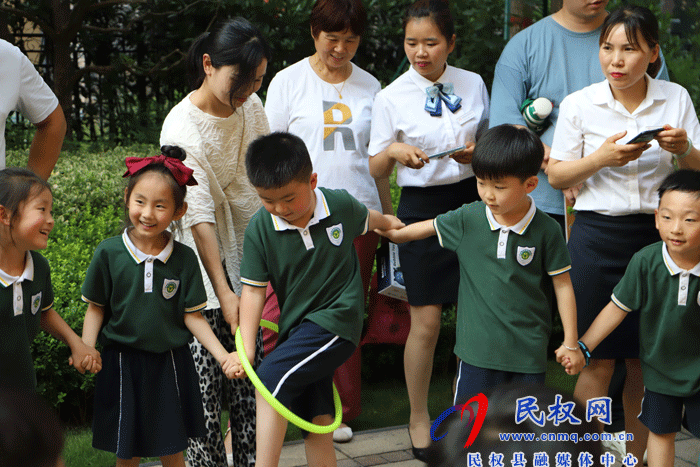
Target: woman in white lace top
{"points": [[214, 125]]}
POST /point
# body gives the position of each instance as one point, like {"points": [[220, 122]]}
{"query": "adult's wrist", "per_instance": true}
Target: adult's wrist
{"points": [[686, 152]]}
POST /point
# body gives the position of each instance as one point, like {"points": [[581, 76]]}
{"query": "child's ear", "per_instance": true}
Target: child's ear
{"points": [[5, 215], [126, 198], [656, 218], [180, 212], [313, 181], [531, 183]]}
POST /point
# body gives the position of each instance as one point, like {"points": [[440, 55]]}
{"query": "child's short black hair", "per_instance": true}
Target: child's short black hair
{"points": [[275, 160], [685, 180], [507, 150]]}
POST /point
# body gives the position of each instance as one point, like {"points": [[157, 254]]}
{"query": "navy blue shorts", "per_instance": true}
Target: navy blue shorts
{"points": [[299, 371], [663, 414], [471, 380]]}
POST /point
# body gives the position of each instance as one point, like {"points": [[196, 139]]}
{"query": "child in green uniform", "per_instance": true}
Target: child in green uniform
{"points": [[144, 293], [661, 283], [513, 262], [302, 244], [26, 295]]}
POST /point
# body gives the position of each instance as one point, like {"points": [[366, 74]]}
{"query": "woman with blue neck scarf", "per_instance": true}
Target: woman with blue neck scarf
{"points": [[431, 108]]}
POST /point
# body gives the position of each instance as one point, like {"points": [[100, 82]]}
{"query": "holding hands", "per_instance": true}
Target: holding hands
{"points": [[85, 358], [572, 360], [232, 367]]}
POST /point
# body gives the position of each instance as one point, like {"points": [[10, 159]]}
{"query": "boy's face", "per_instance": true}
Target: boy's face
{"points": [[506, 197], [294, 202], [678, 222]]}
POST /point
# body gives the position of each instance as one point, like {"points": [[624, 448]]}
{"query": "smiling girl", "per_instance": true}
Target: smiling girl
{"points": [[615, 207], [431, 108], [26, 294]]}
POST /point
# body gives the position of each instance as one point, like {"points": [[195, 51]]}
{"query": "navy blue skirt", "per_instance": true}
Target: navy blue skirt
{"points": [[146, 404], [601, 248], [430, 272]]}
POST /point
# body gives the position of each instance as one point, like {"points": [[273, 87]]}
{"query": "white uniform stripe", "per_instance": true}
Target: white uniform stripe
{"points": [[301, 363], [121, 401]]}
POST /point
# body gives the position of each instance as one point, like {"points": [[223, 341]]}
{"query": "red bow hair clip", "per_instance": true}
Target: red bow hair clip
{"points": [[181, 173]]}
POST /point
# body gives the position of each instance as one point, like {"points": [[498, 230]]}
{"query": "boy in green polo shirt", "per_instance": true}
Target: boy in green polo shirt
{"points": [[301, 243], [661, 283], [513, 261]]}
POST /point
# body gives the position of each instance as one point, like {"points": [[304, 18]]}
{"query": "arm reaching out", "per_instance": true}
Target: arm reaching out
{"points": [[83, 357], [606, 321], [416, 231]]}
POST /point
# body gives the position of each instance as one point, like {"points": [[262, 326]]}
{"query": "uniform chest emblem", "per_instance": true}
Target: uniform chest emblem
{"points": [[335, 234], [525, 255], [170, 287], [36, 303]]}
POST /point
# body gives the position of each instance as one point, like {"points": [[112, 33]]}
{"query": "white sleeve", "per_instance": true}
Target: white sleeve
{"points": [[382, 133], [689, 119], [36, 100], [276, 103], [567, 144]]}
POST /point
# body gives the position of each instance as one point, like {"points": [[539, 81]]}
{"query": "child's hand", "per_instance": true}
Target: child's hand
{"points": [[393, 222], [392, 234], [232, 366], [85, 358], [572, 360]]}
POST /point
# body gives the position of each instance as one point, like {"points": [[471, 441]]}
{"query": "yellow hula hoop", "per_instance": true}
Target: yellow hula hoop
{"points": [[277, 405]]}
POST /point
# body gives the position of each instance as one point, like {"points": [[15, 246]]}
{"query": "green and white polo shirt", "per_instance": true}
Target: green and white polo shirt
{"points": [[668, 299], [23, 300], [504, 315], [314, 270], [144, 297]]}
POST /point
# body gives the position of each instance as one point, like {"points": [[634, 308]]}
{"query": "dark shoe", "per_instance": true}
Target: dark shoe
{"points": [[421, 454]]}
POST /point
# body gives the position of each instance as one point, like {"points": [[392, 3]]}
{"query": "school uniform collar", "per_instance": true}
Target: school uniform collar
{"points": [[684, 274], [602, 95], [518, 228], [321, 211], [16, 282], [422, 82], [139, 256], [7, 280], [673, 268]]}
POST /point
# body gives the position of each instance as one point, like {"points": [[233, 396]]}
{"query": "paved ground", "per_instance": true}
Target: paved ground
{"points": [[392, 447]]}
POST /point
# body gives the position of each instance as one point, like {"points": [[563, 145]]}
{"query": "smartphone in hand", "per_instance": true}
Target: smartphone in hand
{"points": [[645, 136], [449, 152]]}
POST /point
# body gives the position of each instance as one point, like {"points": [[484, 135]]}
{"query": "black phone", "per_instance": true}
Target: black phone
{"points": [[645, 136]]}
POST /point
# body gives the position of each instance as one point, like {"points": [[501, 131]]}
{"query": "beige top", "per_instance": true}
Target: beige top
{"points": [[216, 150]]}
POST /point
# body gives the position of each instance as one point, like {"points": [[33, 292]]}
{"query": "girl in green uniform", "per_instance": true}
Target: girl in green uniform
{"points": [[26, 295], [144, 293]]}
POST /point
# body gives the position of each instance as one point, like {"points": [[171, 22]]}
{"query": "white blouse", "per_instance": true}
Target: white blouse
{"points": [[216, 150], [589, 116], [399, 115]]}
